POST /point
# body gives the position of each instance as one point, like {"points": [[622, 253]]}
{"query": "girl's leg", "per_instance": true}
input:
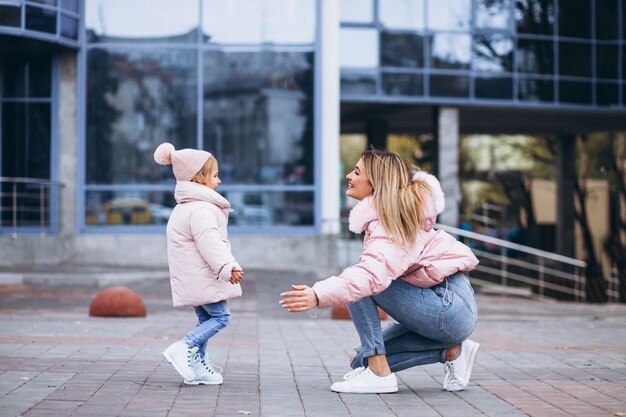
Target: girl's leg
{"points": [[366, 320], [211, 319]]}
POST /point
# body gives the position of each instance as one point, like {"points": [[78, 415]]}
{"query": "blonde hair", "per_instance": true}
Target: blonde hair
{"points": [[399, 201], [203, 175]]}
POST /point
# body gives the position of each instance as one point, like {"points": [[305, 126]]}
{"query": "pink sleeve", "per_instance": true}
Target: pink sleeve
{"points": [[379, 264]]}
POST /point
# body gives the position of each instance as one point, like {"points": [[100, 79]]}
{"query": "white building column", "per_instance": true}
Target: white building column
{"points": [[448, 163], [327, 104]]}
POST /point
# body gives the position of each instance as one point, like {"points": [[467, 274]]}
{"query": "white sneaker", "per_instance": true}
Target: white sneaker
{"points": [[181, 356], [459, 370], [353, 373], [205, 372], [367, 382]]}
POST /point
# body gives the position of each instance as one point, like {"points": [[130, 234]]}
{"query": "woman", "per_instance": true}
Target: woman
{"points": [[432, 302]]}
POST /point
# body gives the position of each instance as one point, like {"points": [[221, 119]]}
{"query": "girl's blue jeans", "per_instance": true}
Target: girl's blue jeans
{"points": [[429, 320], [211, 319]]}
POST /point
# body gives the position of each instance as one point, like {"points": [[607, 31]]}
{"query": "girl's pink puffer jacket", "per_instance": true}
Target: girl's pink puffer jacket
{"points": [[198, 250], [434, 256]]}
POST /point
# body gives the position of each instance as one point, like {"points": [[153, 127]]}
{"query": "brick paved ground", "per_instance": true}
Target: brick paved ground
{"points": [[537, 359]]}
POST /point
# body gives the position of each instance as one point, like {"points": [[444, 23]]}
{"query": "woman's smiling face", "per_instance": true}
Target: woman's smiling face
{"points": [[359, 185]]}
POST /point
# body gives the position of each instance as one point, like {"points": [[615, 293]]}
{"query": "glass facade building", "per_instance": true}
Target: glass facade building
{"points": [[529, 53], [89, 88]]}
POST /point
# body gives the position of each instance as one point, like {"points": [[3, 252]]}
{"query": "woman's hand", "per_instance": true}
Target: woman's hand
{"points": [[303, 298]]}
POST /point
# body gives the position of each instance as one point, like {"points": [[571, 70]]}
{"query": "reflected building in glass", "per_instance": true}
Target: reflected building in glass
{"points": [[89, 88]]}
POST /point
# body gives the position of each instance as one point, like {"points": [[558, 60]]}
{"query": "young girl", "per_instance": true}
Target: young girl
{"points": [[432, 301], [203, 271]]}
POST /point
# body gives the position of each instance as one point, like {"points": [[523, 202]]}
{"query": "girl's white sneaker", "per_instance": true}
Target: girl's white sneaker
{"points": [[367, 382], [459, 370]]}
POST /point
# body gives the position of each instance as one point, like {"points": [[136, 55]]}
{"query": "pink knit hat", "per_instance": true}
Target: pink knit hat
{"points": [[186, 163]]}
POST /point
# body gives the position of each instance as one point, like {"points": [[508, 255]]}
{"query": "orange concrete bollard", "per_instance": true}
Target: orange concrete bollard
{"points": [[117, 302], [342, 313]]}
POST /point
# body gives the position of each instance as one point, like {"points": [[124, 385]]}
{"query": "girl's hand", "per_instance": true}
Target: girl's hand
{"points": [[303, 298], [236, 275]]}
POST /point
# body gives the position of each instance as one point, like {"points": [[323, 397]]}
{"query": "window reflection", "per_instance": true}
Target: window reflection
{"points": [[535, 16], [402, 14], [535, 56], [402, 50], [358, 48], [137, 20], [449, 86], [279, 208], [493, 88], [258, 109], [575, 18], [120, 208], [356, 11], [529, 89], [403, 84], [575, 59], [449, 14], [136, 100], [493, 53], [493, 14], [358, 84], [574, 92], [253, 21], [450, 51]]}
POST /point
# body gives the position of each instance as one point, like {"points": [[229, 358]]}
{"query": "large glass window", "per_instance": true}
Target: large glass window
{"points": [[253, 21], [395, 84], [574, 92], [137, 98], [495, 88], [141, 20], [258, 116], [449, 86], [235, 78], [607, 94], [25, 137], [10, 15]]}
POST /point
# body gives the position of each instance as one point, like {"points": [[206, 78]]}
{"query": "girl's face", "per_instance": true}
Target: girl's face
{"points": [[214, 180], [359, 185]]}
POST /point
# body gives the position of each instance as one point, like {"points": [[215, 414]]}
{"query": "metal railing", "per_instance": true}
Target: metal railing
{"points": [[509, 268], [28, 205]]}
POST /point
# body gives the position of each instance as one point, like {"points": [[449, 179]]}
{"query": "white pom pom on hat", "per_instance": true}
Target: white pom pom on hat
{"points": [[186, 163], [163, 153]]}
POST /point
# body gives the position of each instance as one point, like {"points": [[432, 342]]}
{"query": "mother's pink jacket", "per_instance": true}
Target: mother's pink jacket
{"points": [[198, 250], [434, 256]]}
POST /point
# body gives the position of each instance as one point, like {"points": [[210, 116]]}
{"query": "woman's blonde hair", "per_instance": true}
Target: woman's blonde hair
{"points": [[398, 200], [203, 175]]}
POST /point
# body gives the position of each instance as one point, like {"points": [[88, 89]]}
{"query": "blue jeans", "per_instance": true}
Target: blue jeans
{"points": [[429, 320], [211, 319]]}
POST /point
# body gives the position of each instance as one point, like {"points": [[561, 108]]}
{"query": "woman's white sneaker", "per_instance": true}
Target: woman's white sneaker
{"points": [[353, 373], [367, 382], [459, 370]]}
